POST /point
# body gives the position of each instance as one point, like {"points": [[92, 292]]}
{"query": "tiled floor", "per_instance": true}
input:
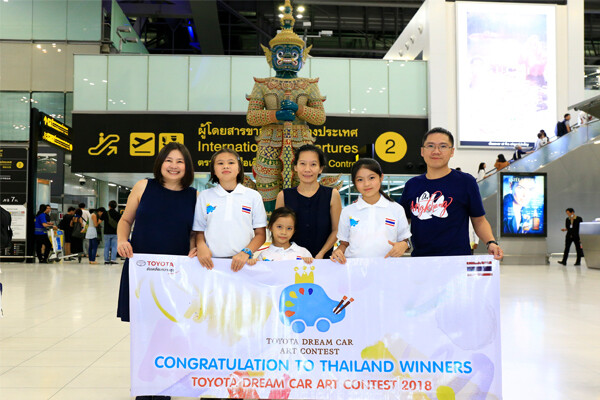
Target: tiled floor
{"points": [[60, 339]]}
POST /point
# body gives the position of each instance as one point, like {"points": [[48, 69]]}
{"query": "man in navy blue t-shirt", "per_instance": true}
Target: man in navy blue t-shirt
{"points": [[440, 203]]}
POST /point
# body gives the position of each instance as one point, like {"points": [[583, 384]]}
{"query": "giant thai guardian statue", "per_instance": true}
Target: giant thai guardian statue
{"points": [[283, 106]]}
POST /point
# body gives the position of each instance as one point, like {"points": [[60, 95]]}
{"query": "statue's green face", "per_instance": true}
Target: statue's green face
{"points": [[286, 57]]}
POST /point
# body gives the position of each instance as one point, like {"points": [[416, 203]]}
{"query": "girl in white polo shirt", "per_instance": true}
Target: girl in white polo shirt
{"points": [[230, 218], [282, 226], [374, 225]]}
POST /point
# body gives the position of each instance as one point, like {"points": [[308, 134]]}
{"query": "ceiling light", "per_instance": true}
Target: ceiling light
{"points": [[301, 9], [112, 184], [280, 15], [299, 16]]}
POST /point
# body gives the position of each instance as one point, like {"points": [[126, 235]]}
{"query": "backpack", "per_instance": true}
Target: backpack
{"points": [[6, 232], [560, 129]]}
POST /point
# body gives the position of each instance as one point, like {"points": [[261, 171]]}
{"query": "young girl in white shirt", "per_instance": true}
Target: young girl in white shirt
{"points": [[282, 226], [375, 225], [230, 218]]}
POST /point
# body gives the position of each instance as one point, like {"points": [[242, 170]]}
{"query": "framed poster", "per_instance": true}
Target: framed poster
{"points": [[524, 204]]}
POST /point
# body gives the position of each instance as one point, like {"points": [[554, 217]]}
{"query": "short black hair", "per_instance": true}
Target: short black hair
{"points": [[570, 210], [566, 115], [101, 209], [188, 176], [281, 212], [438, 130], [213, 175], [112, 204], [81, 205], [70, 209], [313, 148]]}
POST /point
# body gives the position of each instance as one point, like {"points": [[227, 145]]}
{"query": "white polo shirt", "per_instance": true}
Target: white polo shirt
{"points": [[274, 253], [227, 219], [369, 227]]}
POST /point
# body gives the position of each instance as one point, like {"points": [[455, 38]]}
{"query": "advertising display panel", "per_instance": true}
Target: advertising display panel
{"points": [[506, 73], [523, 207]]}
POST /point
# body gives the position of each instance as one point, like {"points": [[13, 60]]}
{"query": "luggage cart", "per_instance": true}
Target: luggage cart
{"points": [[57, 238]]}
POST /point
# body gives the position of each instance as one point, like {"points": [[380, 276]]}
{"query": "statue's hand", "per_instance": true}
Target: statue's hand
{"points": [[289, 105], [285, 115]]}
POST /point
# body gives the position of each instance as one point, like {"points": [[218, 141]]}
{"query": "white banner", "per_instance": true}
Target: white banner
{"points": [[408, 328]]}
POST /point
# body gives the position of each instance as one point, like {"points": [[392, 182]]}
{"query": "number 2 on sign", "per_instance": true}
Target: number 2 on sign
{"points": [[410, 385]]}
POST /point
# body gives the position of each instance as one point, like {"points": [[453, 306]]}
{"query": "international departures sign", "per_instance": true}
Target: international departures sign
{"points": [[117, 142]]}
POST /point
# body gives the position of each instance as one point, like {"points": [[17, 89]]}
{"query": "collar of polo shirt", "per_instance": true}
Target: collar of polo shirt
{"points": [[239, 189], [382, 203], [293, 246]]}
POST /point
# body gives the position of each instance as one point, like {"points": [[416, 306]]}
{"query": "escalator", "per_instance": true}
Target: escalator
{"points": [[572, 163]]}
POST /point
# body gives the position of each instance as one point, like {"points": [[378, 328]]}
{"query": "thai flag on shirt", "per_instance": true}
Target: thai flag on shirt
{"points": [[390, 222], [298, 258], [246, 209]]}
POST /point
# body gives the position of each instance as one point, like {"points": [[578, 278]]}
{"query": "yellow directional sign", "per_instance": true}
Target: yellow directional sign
{"points": [[54, 124], [105, 144], [142, 144], [55, 140], [166, 138]]}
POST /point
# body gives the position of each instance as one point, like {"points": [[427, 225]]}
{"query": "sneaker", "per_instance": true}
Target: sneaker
{"points": [[107, 262]]}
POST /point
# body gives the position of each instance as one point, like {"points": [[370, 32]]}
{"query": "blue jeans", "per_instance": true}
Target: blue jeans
{"points": [[110, 247], [93, 249]]}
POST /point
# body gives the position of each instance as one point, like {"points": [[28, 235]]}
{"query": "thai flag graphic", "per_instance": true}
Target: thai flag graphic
{"points": [[390, 222], [246, 209], [298, 258]]}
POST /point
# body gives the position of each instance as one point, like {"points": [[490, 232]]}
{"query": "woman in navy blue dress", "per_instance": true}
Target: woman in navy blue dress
{"points": [[317, 207], [163, 211]]}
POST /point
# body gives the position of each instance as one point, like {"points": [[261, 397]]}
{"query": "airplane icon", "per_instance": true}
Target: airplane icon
{"points": [[142, 144], [140, 141]]}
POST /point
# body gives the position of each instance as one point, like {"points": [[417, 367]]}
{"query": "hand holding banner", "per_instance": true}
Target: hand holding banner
{"points": [[408, 328]]}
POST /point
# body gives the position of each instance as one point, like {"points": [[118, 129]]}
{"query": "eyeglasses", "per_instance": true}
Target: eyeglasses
{"points": [[440, 147]]}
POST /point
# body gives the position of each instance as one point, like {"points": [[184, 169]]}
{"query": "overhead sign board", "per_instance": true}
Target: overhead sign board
{"points": [[108, 142], [53, 131]]}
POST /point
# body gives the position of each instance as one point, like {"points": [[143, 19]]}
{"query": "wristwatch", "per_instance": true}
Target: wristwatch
{"points": [[247, 251], [490, 242]]}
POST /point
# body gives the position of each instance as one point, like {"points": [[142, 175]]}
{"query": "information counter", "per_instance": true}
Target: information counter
{"points": [[590, 242]]}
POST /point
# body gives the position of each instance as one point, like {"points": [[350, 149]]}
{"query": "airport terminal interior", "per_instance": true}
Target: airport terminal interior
{"points": [[92, 90]]}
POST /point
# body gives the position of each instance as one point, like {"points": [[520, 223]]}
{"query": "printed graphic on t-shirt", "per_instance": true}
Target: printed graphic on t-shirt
{"points": [[390, 222], [429, 206], [210, 208], [246, 209], [353, 222]]}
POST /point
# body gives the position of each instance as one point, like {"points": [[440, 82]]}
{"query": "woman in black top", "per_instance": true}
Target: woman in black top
{"points": [[317, 207]]}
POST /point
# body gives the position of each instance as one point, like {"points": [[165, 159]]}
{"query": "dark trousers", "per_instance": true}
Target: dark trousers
{"points": [[578, 248], [42, 240], [93, 249]]}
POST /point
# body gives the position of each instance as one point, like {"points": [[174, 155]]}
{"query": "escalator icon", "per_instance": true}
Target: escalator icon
{"points": [[105, 144]]}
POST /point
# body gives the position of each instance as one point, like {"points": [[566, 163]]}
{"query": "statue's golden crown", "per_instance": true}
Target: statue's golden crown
{"points": [[305, 277], [287, 35]]}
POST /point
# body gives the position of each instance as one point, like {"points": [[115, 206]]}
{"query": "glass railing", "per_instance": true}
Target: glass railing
{"points": [[551, 152]]}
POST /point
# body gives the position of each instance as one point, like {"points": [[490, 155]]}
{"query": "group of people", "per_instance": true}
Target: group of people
{"points": [[82, 232], [230, 221], [502, 162]]}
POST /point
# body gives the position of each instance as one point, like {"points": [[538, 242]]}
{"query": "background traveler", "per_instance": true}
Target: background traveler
{"points": [[572, 228], [111, 221]]}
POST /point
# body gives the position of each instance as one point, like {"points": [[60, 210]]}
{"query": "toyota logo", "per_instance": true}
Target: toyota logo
{"points": [[140, 263]]}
